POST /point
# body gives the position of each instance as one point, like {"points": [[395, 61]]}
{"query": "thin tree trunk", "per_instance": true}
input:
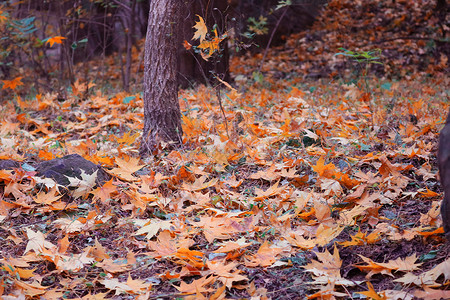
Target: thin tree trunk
{"points": [[162, 117], [129, 36]]}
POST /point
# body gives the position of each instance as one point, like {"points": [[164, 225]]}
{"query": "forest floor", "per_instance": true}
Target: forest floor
{"points": [[320, 182]]}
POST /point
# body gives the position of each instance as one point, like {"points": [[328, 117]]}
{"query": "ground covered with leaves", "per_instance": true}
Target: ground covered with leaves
{"points": [[320, 188]]}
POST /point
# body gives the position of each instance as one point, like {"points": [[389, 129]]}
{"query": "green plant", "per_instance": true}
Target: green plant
{"points": [[364, 60], [256, 26]]}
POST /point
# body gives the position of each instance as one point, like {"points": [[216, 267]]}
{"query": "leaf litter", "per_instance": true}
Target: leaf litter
{"points": [[316, 190]]}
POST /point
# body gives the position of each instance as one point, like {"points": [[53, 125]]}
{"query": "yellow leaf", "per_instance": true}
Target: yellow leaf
{"points": [[128, 138], [200, 30]]}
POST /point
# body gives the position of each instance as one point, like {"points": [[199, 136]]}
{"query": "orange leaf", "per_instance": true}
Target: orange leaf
{"points": [[271, 191], [45, 155], [371, 293], [104, 192], [265, 256], [186, 45], [126, 168], [55, 39], [199, 184], [128, 138], [12, 84], [429, 194], [30, 289], [47, 198], [324, 170]]}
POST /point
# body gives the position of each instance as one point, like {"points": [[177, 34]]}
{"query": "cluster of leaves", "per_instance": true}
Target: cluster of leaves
{"points": [[15, 38], [307, 189], [20, 46], [298, 172], [408, 34], [209, 42]]}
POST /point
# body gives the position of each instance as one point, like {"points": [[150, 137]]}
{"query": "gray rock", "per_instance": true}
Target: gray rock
{"points": [[8, 164], [59, 169]]}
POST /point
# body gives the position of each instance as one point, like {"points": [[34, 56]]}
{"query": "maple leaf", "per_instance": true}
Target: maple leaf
{"points": [[264, 257], [212, 46], [98, 251], [225, 272], [200, 29], [361, 238], [30, 289], [47, 198], [126, 168], [199, 184], [164, 246], [406, 265], [271, 191], [328, 269], [22, 273], [131, 286], [427, 278], [186, 45], [232, 246], [270, 174], [190, 258], [12, 84], [151, 227], [429, 293], [197, 286], [216, 228], [428, 193], [372, 294], [128, 138], [83, 186], [37, 242], [113, 266], [331, 187], [73, 262], [104, 192], [55, 39], [324, 170], [232, 181]]}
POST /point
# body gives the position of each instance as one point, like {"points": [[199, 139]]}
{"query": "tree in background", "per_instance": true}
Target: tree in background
{"points": [[162, 117]]}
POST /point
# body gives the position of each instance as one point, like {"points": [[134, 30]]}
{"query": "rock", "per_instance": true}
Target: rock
{"points": [[444, 172], [8, 164], [70, 166]]}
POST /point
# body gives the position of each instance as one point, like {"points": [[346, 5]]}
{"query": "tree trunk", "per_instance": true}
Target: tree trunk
{"points": [[162, 117], [444, 173]]}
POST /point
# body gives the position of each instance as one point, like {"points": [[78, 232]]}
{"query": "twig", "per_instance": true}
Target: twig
{"points": [[223, 111], [119, 3]]}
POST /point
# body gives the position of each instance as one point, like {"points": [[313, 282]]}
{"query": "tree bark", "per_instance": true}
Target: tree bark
{"points": [[444, 173], [162, 116]]}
